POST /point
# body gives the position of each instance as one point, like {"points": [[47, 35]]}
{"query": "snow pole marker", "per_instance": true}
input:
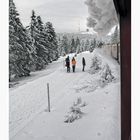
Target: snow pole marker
{"points": [[48, 91]]}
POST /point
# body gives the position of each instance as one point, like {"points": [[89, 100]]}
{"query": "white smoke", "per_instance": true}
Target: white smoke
{"points": [[102, 15]]}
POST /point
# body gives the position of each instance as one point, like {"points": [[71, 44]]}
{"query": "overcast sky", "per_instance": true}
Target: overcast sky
{"points": [[66, 15]]}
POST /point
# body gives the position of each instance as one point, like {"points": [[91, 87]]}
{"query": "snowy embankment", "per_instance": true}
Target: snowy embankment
{"points": [[84, 105]]}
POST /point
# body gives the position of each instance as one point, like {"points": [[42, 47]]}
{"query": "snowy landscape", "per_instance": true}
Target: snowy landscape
{"points": [[99, 102], [85, 103]]}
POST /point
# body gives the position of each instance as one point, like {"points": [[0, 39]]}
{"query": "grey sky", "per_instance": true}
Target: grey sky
{"points": [[66, 15]]}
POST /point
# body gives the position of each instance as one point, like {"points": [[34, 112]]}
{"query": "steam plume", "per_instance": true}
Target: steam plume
{"points": [[102, 15]]}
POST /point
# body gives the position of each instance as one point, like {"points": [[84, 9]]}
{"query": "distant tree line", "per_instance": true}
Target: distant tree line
{"points": [[75, 45], [30, 48]]}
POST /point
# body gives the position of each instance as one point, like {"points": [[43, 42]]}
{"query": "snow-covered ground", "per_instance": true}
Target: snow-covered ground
{"points": [[98, 101]]}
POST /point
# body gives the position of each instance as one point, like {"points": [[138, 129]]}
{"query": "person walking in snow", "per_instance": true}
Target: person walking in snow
{"points": [[73, 64], [83, 63], [68, 64]]}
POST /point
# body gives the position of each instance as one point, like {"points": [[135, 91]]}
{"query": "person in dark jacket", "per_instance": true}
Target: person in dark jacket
{"points": [[83, 63], [68, 64]]}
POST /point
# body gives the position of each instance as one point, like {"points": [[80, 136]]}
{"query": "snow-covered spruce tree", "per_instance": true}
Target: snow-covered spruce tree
{"points": [[33, 52], [92, 45], [77, 45], [41, 45], [33, 31], [87, 45], [65, 45], [37, 33], [33, 24], [78, 49], [61, 50], [74, 114], [115, 39], [95, 65], [106, 74], [59, 46], [20, 46], [52, 41], [100, 44], [72, 46], [82, 46]]}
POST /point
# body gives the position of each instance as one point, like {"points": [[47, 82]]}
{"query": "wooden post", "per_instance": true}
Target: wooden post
{"points": [[48, 97]]}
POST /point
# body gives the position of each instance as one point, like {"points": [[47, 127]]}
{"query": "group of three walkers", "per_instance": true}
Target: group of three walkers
{"points": [[73, 62]]}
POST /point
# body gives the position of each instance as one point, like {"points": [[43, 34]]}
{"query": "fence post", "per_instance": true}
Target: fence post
{"points": [[48, 97]]}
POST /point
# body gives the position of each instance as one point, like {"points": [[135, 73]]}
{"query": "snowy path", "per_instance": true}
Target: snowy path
{"points": [[30, 121]]}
